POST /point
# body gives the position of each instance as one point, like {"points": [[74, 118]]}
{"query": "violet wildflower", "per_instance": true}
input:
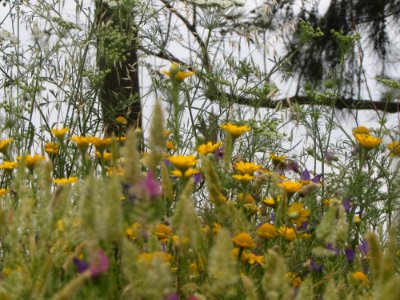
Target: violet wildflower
{"points": [[364, 247], [315, 267], [81, 265], [219, 153], [332, 248], [151, 186], [350, 254], [97, 264], [173, 296], [197, 178], [305, 176], [346, 205]]}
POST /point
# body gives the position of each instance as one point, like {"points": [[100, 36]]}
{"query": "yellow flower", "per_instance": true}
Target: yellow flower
{"points": [[121, 120], [297, 213], [221, 198], [3, 192], [208, 148], [243, 178], [31, 161], [357, 219], [176, 74], [106, 155], [246, 167], [277, 159], [394, 148], [82, 142], [290, 186], [368, 142], [59, 133], [60, 225], [248, 198], [243, 240], [8, 165], [132, 231], [170, 145], [361, 130], [271, 201], [294, 279], [287, 232], [163, 232], [4, 145], [65, 181], [183, 162], [189, 172], [235, 130], [51, 148], [267, 231], [216, 228], [361, 277], [248, 257], [148, 258], [101, 143]]}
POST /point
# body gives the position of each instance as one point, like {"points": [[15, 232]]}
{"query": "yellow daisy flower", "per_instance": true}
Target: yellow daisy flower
{"points": [[208, 148], [4, 145], [121, 120], [163, 232], [59, 133], [277, 159], [287, 232], [235, 130], [243, 240], [183, 162], [243, 178], [31, 160], [246, 167], [368, 142], [51, 148], [65, 181], [361, 130], [290, 186], [394, 148], [3, 192], [176, 74], [361, 277], [267, 231], [297, 213], [82, 142]]}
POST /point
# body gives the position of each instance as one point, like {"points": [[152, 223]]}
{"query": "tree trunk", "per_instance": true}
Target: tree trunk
{"points": [[117, 63]]}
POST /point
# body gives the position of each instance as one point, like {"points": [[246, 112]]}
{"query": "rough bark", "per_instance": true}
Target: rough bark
{"points": [[120, 91]]}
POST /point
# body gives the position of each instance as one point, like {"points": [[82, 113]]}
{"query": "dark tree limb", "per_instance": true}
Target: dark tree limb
{"points": [[120, 90]]}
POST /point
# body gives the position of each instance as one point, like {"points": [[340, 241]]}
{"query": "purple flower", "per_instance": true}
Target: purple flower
{"points": [[293, 166], [127, 191], [219, 153], [305, 175], [98, 263], [81, 265], [167, 162], [347, 205], [364, 247], [303, 226], [151, 186], [332, 248], [197, 178], [173, 296], [316, 268], [350, 254]]}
